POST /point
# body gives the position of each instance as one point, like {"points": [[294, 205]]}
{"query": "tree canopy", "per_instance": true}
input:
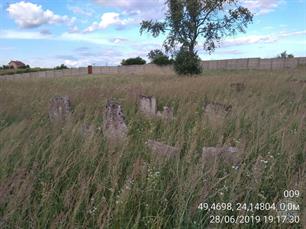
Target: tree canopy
{"points": [[133, 61], [189, 21], [158, 57], [284, 55]]}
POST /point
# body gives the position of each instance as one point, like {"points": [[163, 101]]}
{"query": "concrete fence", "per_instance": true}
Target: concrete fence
{"points": [[151, 69], [254, 63]]}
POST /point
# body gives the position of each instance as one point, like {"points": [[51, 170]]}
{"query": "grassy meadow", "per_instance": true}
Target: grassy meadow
{"points": [[21, 70], [53, 177]]}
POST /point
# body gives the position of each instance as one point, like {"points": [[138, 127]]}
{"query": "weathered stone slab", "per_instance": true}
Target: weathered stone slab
{"points": [[161, 149], [228, 154], [166, 114], [238, 86], [216, 112], [59, 108], [87, 130], [258, 169], [114, 126], [147, 105]]}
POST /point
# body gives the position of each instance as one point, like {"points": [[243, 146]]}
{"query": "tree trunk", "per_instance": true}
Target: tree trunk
{"points": [[191, 47]]}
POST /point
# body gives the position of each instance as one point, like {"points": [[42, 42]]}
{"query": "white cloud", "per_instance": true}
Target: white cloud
{"points": [[287, 34], [78, 10], [229, 52], [139, 9], [107, 19], [132, 5], [76, 63], [29, 15], [245, 40], [74, 29], [118, 40], [7, 48], [105, 56], [260, 7], [23, 35], [262, 39], [90, 38]]}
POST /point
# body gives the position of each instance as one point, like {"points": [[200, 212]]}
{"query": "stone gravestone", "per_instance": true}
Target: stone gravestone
{"points": [[147, 105], [216, 112], [59, 108], [114, 126], [87, 130], [161, 149], [238, 86], [228, 154], [167, 113], [258, 169]]}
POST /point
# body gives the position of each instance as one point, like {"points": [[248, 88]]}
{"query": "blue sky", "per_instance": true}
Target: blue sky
{"points": [[47, 33]]}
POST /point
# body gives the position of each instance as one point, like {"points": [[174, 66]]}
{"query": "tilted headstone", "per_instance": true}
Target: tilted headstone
{"points": [[59, 108], [161, 149], [228, 154], [87, 130], [258, 169], [238, 86], [216, 112], [167, 113], [147, 105], [114, 126]]}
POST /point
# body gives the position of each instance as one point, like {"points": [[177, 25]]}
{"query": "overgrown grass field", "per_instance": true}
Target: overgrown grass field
{"points": [[53, 177]]}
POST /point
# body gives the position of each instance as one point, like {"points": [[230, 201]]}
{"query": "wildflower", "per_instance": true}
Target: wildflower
{"points": [[92, 211]]}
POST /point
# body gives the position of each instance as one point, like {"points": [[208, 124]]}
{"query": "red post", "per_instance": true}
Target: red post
{"points": [[89, 69]]}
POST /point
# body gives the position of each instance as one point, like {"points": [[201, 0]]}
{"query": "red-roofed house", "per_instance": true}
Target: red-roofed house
{"points": [[16, 64]]}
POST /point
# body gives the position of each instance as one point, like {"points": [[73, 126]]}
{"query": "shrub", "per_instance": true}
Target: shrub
{"points": [[187, 63], [162, 60], [284, 55], [154, 53], [159, 58], [133, 61]]}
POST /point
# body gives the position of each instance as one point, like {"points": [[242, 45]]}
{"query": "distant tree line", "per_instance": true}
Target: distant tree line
{"points": [[284, 55], [62, 66], [5, 67]]}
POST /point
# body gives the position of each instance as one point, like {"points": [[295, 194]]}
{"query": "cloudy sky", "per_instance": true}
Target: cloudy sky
{"points": [[47, 33]]}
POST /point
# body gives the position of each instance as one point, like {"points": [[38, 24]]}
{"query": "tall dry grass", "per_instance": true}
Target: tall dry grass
{"points": [[53, 177]]}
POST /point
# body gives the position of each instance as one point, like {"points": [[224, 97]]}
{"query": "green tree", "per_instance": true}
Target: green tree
{"points": [[187, 63], [133, 61], [189, 21], [284, 55], [155, 53], [157, 56]]}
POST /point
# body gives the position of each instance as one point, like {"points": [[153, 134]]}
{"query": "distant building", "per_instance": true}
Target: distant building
{"points": [[16, 64]]}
